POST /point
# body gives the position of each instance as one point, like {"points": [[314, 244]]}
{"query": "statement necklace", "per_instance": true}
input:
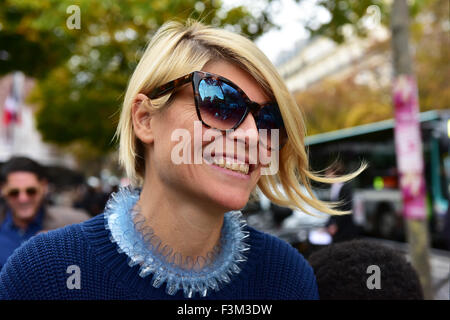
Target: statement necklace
{"points": [[138, 241]]}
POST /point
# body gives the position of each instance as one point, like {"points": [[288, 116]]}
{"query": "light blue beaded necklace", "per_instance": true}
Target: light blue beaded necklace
{"points": [[143, 247]]}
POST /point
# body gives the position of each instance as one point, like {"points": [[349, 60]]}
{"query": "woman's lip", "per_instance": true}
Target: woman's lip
{"points": [[231, 172]]}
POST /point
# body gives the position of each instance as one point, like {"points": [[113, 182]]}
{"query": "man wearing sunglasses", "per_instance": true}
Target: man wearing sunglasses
{"points": [[24, 187]]}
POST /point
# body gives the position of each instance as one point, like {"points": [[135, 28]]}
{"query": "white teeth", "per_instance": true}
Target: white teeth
{"points": [[244, 167]]}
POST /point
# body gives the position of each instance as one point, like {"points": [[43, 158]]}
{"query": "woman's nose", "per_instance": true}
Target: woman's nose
{"points": [[244, 140], [247, 132]]}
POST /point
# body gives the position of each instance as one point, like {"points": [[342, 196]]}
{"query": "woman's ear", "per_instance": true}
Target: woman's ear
{"points": [[141, 118]]}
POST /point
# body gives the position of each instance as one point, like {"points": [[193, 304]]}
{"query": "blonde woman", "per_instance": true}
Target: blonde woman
{"points": [[205, 121]]}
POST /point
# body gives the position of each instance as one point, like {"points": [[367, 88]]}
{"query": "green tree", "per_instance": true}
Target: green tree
{"points": [[331, 105], [431, 40], [357, 15]]}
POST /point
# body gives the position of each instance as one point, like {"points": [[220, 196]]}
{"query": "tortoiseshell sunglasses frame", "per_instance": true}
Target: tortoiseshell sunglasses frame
{"points": [[195, 78]]}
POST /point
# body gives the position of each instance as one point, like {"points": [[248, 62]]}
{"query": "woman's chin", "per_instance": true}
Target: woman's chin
{"points": [[232, 203]]}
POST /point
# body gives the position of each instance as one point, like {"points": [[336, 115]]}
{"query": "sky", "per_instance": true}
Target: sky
{"points": [[291, 17]]}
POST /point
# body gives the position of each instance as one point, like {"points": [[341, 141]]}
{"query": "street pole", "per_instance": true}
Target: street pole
{"points": [[408, 144]]}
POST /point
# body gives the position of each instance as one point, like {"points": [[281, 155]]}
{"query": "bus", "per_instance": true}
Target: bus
{"points": [[377, 200]]}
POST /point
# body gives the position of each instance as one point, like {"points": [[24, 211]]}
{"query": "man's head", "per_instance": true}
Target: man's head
{"points": [[23, 185], [349, 271]]}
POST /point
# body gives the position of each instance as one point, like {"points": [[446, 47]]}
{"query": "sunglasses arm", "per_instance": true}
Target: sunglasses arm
{"points": [[170, 86]]}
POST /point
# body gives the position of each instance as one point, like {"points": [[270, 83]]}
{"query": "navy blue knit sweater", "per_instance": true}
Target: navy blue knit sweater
{"points": [[39, 269]]}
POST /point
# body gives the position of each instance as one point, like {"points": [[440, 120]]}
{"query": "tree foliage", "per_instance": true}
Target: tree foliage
{"points": [[431, 38], [331, 105], [358, 16]]}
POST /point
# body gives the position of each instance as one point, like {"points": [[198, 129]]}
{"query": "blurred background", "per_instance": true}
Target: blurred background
{"points": [[64, 67]]}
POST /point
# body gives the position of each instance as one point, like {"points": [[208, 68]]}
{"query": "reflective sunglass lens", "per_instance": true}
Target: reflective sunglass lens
{"points": [[221, 106]]}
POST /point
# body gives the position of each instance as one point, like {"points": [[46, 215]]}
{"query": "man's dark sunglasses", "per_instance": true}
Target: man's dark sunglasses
{"points": [[222, 105], [14, 193]]}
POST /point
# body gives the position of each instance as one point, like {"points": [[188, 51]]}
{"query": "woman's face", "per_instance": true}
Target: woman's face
{"points": [[220, 187]]}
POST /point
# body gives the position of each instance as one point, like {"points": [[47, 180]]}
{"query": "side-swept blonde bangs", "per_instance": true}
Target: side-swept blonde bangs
{"points": [[178, 49]]}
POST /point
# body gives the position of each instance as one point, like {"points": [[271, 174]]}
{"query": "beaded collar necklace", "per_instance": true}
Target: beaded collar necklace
{"points": [[138, 241]]}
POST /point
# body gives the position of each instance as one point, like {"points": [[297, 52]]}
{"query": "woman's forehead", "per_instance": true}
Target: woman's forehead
{"points": [[238, 76]]}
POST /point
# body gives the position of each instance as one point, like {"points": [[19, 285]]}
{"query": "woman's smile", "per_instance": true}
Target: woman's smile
{"points": [[231, 165]]}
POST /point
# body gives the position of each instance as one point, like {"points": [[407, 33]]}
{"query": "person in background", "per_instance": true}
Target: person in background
{"points": [[364, 270], [92, 200], [24, 211]]}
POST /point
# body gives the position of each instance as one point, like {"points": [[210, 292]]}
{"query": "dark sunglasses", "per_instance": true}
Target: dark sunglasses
{"points": [[222, 105], [14, 193]]}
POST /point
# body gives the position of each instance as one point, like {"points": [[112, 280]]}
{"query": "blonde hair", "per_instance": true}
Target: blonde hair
{"points": [[178, 49]]}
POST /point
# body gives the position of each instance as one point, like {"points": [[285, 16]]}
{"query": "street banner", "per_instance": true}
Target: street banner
{"points": [[408, 145]]}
